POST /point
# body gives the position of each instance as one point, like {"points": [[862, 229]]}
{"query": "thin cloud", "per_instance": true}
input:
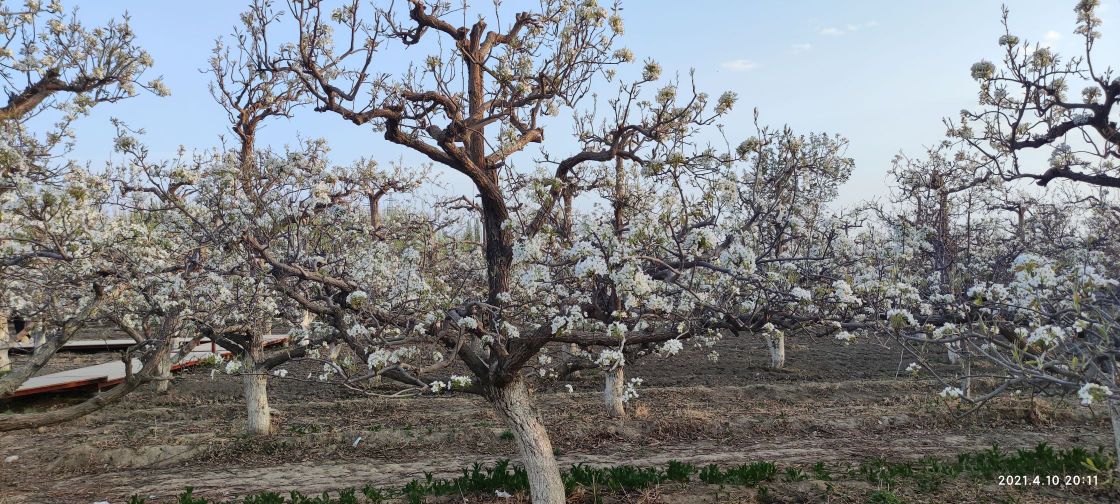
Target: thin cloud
{"points": [[800, 48], [1051, 38], [833, 31], [739, 65]]}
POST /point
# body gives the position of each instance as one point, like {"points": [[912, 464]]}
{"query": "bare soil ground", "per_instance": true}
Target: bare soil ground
{"points": [[840, 405]]}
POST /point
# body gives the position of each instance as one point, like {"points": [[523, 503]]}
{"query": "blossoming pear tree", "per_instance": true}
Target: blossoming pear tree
{"points": [[1027, 103], [88, 264], [1033, 305], [250, 97], [780, 254], [472, 109], [1048, 328], [208, 203], [60, 254], [211, 201], [953, 218], [623, 234], [51, 62], [544, 273], [135, 270]]}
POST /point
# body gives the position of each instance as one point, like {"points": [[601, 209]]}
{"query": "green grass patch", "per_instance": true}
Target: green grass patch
{"points": [[924, 475], [985, 465]]}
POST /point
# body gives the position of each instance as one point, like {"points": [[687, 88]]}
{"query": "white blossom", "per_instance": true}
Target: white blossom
{"points": [[356, 298], [951, 393], [460, 381], [671, 347], [1092, 392]]}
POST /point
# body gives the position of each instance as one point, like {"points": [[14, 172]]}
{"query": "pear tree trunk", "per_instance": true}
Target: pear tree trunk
{"points": [[5, 343], [966, 375], [163, 374], [1114, 412], [512, 404], [776, 343], [954, 353], [1114, 415], [305, 322], [255, 390], [613, 392]]}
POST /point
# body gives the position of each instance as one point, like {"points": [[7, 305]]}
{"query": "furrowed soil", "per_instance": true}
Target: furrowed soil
{"points": [[833, 404]]}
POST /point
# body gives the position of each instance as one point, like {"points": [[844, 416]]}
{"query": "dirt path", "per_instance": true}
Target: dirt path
{"points": [[320, 476]]}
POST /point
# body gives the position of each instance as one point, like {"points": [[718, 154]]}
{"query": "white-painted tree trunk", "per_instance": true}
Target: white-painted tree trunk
{"points": [[954, 355], [966, 379], [256, 404], [255, 390], [5, 343], [613, 391], [163, 374], [776, 343], [38, 333], [334, 350], [305, 323], [513, 405]]}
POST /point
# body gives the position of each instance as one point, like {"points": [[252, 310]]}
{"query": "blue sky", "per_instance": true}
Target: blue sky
{"points": [[881, 73]]}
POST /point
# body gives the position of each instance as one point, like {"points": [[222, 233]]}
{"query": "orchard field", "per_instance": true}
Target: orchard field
{"points": [[431, 251], [843, 407]]}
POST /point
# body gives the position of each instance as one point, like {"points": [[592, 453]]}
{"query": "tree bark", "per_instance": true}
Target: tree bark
{"points": [[613, 391], [22, 104], [5, 343], [966, 379], [499, 255], [512, 403], [1114, 415], [163, 374], [566, 219], [255, 390], [256, 404], [954, 356], [777, 346], [375, 211]]}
